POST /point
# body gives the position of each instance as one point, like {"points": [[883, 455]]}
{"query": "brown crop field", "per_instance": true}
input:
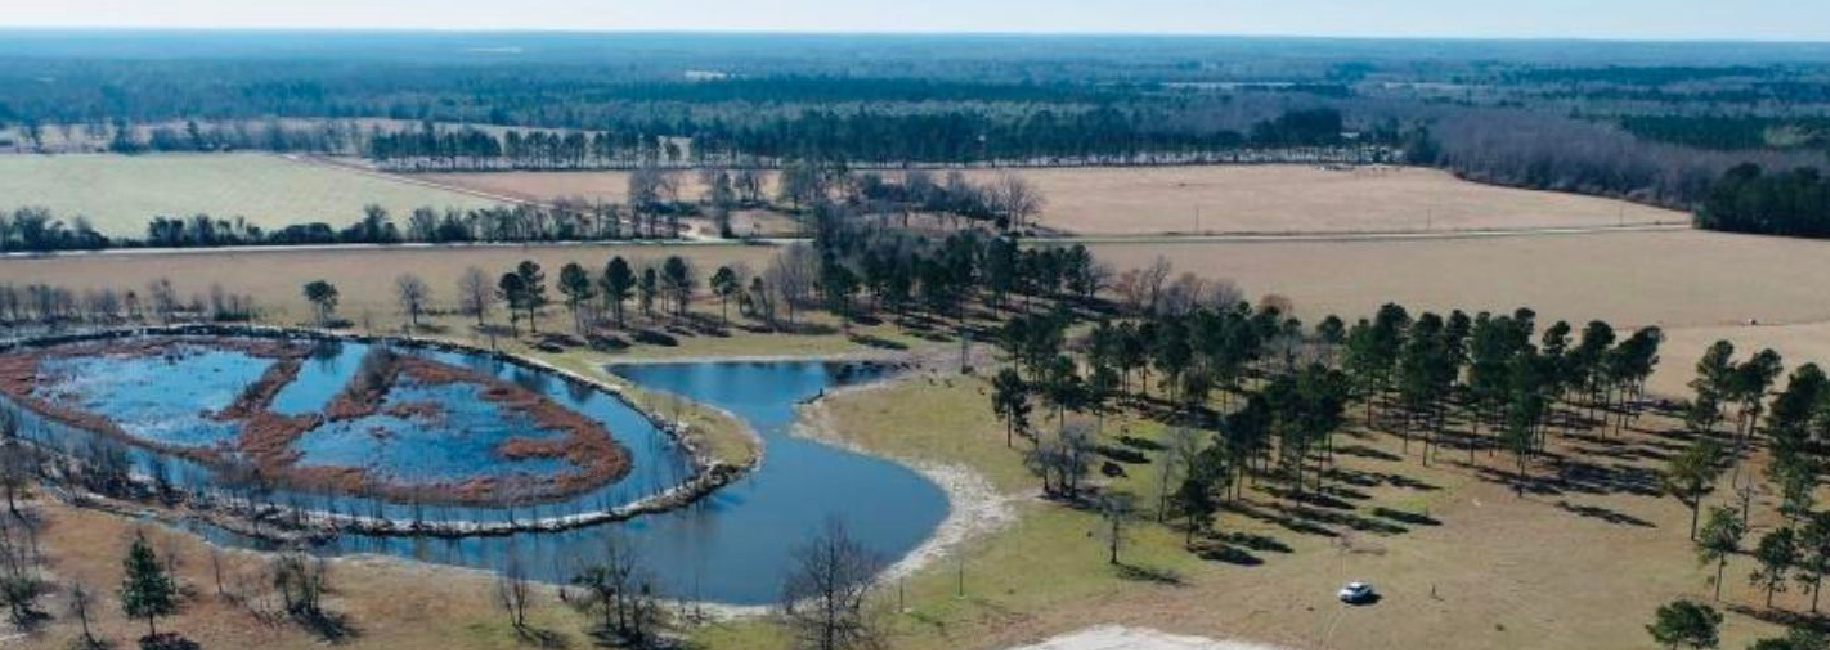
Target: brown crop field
{"points": [[1228, 199], [1666, 278], [1297, 198], [1796, 343], [1699, 287]]}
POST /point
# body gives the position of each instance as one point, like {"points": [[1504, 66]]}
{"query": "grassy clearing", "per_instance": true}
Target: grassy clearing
{"points": [[393, 604], [119, 194], [1464, 562]]}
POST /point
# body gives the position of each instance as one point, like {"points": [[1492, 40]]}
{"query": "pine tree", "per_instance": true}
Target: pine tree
{"points": [[147, 590]]}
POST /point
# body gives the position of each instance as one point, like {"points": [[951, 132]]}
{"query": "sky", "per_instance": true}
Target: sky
{"points": [[1807, 20]]}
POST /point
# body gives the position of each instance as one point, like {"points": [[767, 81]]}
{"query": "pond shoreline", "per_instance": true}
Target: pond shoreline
{"points": [[708, 472], [975, 508]]}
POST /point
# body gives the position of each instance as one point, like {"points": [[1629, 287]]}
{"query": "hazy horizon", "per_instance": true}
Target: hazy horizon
{"points": [[1627, 20]]}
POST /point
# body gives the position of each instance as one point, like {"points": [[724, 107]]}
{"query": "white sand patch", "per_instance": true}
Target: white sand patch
{"points": [[974, 507], [1113, 637]]}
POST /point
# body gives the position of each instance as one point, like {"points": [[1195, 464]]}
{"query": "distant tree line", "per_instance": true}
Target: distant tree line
{"points": [[1732, 133], [54, 307], [40, 230], [877, 136], [1538, 151]]}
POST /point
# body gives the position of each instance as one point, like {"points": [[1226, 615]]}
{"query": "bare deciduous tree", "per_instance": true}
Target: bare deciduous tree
{"points": [[792, 275], [824, 595], [413, 293], [1016, 199], [475, 294], [514, 591]]}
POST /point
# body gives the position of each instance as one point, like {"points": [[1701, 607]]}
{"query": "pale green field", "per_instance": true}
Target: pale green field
{"points": [[119, 194]]}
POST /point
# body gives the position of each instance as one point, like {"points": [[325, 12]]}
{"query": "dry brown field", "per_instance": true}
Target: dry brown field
{"points": [[1300, 198], [1796, 344], [1698, 287], [1229, 199], [1665, 278]]}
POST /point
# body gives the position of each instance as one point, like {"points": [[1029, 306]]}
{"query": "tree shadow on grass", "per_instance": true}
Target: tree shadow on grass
{"points": [[1345, 519], [1125, 455], [1144, 444], [1292, 524], [1604, 514], [1228, 554], [1611, 478], [1154, 575], [333, 627], [1412, 518], [542, 638], [878, 342], [1408, 483], [1310, 498], [1356, 478], [806, 329], [1819, 622], [1363, 451], [1532, 484], [1256, 542]]}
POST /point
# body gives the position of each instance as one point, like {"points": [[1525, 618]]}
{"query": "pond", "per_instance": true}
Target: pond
{"points": [[453, 436], [732, 547]]}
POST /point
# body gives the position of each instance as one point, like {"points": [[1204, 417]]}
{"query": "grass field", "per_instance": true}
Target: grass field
{"points": [[1229, 199], [120, 194], [1581, 565]]}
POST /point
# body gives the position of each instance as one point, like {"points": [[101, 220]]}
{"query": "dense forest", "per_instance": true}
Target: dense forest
{"points": [[1749, 200], [1104, 134]]}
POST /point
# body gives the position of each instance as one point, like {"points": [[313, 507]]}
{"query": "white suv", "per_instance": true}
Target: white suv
{"points": [[1356, 592]]}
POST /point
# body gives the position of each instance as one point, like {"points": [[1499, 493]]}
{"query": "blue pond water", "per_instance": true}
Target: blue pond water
{"points": [[320, 378], [163, 399], [456, 445], [733, 547], [167, 398]]}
